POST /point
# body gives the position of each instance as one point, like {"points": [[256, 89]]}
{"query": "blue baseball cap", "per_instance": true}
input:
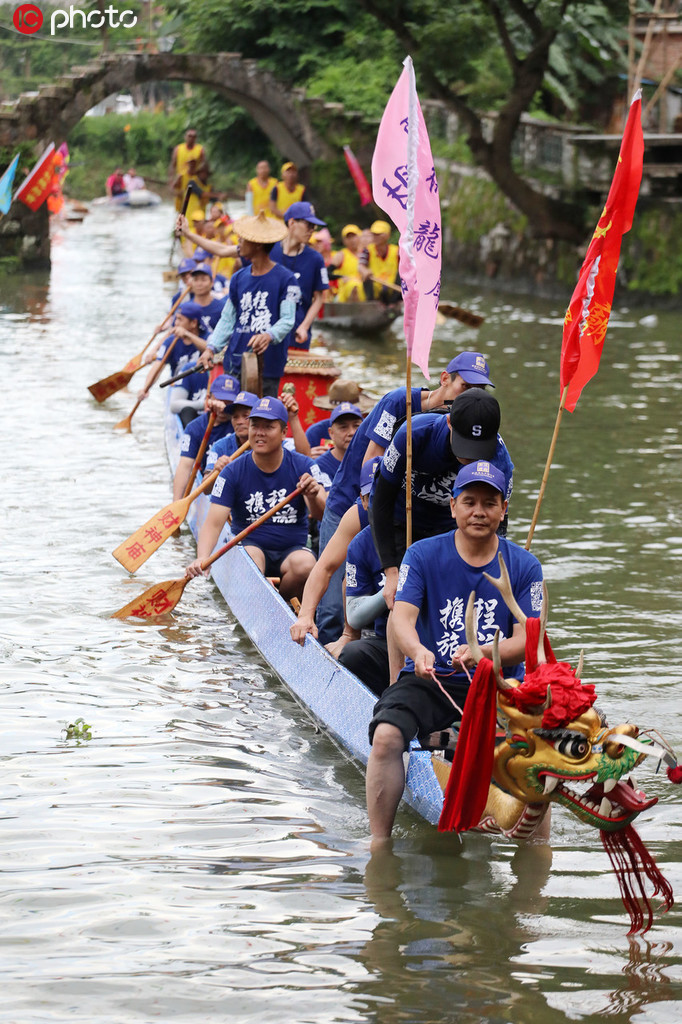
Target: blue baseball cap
{"points": [[192, 310], [479, 473], [204, 268], [225, 388], [367, 471], [344, 409], [270, 409], [246, 398], [201, 255], [472, 367], [185, 266], [303, 211]]}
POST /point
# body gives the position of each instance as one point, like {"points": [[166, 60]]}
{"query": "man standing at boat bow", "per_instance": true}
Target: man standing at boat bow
{"points": [[436, 578]]}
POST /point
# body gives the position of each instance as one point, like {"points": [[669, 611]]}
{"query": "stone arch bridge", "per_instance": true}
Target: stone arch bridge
{"points": [[298, 126]]}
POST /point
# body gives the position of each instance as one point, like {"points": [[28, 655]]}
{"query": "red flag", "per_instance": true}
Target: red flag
{"points": [[36, 186], [587, 316], [358, 176]]}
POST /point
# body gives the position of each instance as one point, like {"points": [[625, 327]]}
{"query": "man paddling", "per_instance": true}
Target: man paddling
{"points": [[436, 577], [256, 481], [223, 394], [219, 453]]}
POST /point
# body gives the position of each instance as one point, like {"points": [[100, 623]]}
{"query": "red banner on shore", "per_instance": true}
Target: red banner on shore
{"points": [[37, 184]]}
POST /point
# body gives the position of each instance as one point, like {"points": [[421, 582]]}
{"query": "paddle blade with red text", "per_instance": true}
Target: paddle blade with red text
{"points": [[135, 551], [108, 386], [157, 600]]}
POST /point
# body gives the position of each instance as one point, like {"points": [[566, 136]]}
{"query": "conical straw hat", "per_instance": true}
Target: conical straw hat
{"points": [[260, 229]]}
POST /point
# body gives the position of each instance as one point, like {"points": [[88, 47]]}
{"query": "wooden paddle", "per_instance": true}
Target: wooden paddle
{"points": [[465, 316], [124, 424], [200, 454], [163, 597], [135, 551], [108, 386]]}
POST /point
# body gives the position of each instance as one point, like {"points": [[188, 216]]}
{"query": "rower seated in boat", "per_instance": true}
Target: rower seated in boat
{"points": [[224, 391], [188, 397], [179, 347], [437, 576], [343, 423], [218, 455], [256, 482]]}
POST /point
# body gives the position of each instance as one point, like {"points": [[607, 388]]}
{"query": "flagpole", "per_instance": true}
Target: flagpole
{"points": [[545, 475], [408, 453]]}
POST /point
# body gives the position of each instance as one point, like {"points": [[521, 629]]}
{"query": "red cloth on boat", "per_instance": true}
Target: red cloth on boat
{"points": [[467, 789]]}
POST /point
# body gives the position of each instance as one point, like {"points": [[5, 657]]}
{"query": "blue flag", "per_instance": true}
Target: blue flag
{"points": [[6, 183]]}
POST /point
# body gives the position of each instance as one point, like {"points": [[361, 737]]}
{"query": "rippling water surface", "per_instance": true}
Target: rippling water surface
{"points": [[204, 856]]}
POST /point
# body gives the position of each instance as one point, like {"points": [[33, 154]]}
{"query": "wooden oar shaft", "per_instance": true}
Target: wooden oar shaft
{"points": [[545, 475], [125, 423], [465, 316], [200, 454], [250, 528], [163, 597]]}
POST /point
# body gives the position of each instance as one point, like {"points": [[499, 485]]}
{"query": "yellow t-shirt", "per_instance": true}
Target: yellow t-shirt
{"points": [[261, 195], [383, 269], [285, 198], [350, 287]]}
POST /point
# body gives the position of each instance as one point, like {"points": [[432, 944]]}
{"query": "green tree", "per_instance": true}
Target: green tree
{"points": [[506, 56]]}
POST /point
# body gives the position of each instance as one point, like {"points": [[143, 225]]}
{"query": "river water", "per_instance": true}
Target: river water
{"points": [[203, 857]]}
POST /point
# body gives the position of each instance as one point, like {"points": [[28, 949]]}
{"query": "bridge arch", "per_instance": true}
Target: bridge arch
{"points": [[281, 113]]}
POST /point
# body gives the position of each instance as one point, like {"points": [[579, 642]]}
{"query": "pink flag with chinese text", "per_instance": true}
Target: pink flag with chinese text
{"points": [[405, 187]]}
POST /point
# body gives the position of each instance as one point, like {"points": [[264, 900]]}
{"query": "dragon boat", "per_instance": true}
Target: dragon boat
{"points": [[544, 742]]}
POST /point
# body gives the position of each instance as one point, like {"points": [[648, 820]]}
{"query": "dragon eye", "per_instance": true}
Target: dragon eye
{"points": [[572, 746]]}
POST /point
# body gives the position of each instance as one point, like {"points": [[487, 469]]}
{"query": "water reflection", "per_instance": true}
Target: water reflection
{"points": [[205, 854]]}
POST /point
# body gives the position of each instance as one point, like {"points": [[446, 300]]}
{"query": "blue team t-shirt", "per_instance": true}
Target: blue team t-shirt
{"points": [[328, 466], [364, 575], [311, 276], [249, 492], [434, 577], [195, 384], [190, 442], [377, 426], [434, 468], [226, 445], [256, 300], [210, 316], [317, 433]]}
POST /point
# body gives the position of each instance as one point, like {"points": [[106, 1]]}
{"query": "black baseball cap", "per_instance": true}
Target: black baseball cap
{"points": [[474, 422]]}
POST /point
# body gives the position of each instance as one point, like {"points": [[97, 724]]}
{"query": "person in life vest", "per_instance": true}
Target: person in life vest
{"points": [[345, 266], [184, 152], [259, 190], [378, 265], [287, 191]]}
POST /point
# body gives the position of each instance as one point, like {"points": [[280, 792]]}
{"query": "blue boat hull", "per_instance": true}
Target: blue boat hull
{"points": [[335, 697]]}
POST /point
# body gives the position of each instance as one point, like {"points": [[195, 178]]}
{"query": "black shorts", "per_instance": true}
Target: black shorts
{"points": [[274, 559], [418, 707]]}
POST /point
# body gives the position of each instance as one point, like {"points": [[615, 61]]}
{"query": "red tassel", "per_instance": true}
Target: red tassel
{"points": [[632, 863], [675, 774], [469, 780]]}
